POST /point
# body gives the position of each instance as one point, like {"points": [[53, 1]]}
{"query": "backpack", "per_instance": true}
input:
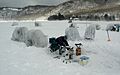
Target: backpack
{"points": [[53, 44], [52, 40]]}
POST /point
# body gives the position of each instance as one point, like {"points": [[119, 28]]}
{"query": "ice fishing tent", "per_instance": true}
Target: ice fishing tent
{"points": [[72, 33], [98, 27], [37, 24], [90, 32], [19, 34], [36, 38], [14, 23]]}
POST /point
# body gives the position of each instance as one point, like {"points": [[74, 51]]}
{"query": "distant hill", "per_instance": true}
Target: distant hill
{"points": [[69, 8]]}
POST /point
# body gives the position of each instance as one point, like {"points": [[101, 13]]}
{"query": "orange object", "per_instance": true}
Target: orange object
{"points": [[78, 51]]}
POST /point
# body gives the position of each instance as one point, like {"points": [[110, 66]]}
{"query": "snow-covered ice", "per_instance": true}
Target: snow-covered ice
{"points": [[18, 59]]}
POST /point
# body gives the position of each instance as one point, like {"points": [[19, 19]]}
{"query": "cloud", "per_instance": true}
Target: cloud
{"points": [[23, 3]]}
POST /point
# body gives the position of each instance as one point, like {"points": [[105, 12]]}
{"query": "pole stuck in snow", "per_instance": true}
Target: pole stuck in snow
{"points": [[108, 36]]}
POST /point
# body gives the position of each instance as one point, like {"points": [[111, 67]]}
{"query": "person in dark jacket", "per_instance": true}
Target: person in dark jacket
{"points": [[117, 27], [62, 41]]}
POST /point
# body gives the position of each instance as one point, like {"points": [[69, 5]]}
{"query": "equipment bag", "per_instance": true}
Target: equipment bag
{"points": [[53, 44]]}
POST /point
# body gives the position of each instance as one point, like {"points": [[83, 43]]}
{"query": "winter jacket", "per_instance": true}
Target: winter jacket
{"points": [[117, 27], [62, 41]]}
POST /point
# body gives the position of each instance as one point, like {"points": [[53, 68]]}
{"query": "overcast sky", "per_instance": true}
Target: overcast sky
{"points": [[22, 3]]}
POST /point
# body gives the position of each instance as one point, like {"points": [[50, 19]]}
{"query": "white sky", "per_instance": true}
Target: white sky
{"points": [[22, 3]]}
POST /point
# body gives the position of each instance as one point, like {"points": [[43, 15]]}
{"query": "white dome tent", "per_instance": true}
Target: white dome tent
{"points": [[36, 38], [30, 37], [19, 34], [72, 33], [90, 32]]}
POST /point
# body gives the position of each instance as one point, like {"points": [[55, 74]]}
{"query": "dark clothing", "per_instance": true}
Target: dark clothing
{"points": [[113, 28], [53, 44], [56, 44], [62, 41], [117, 27]]}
